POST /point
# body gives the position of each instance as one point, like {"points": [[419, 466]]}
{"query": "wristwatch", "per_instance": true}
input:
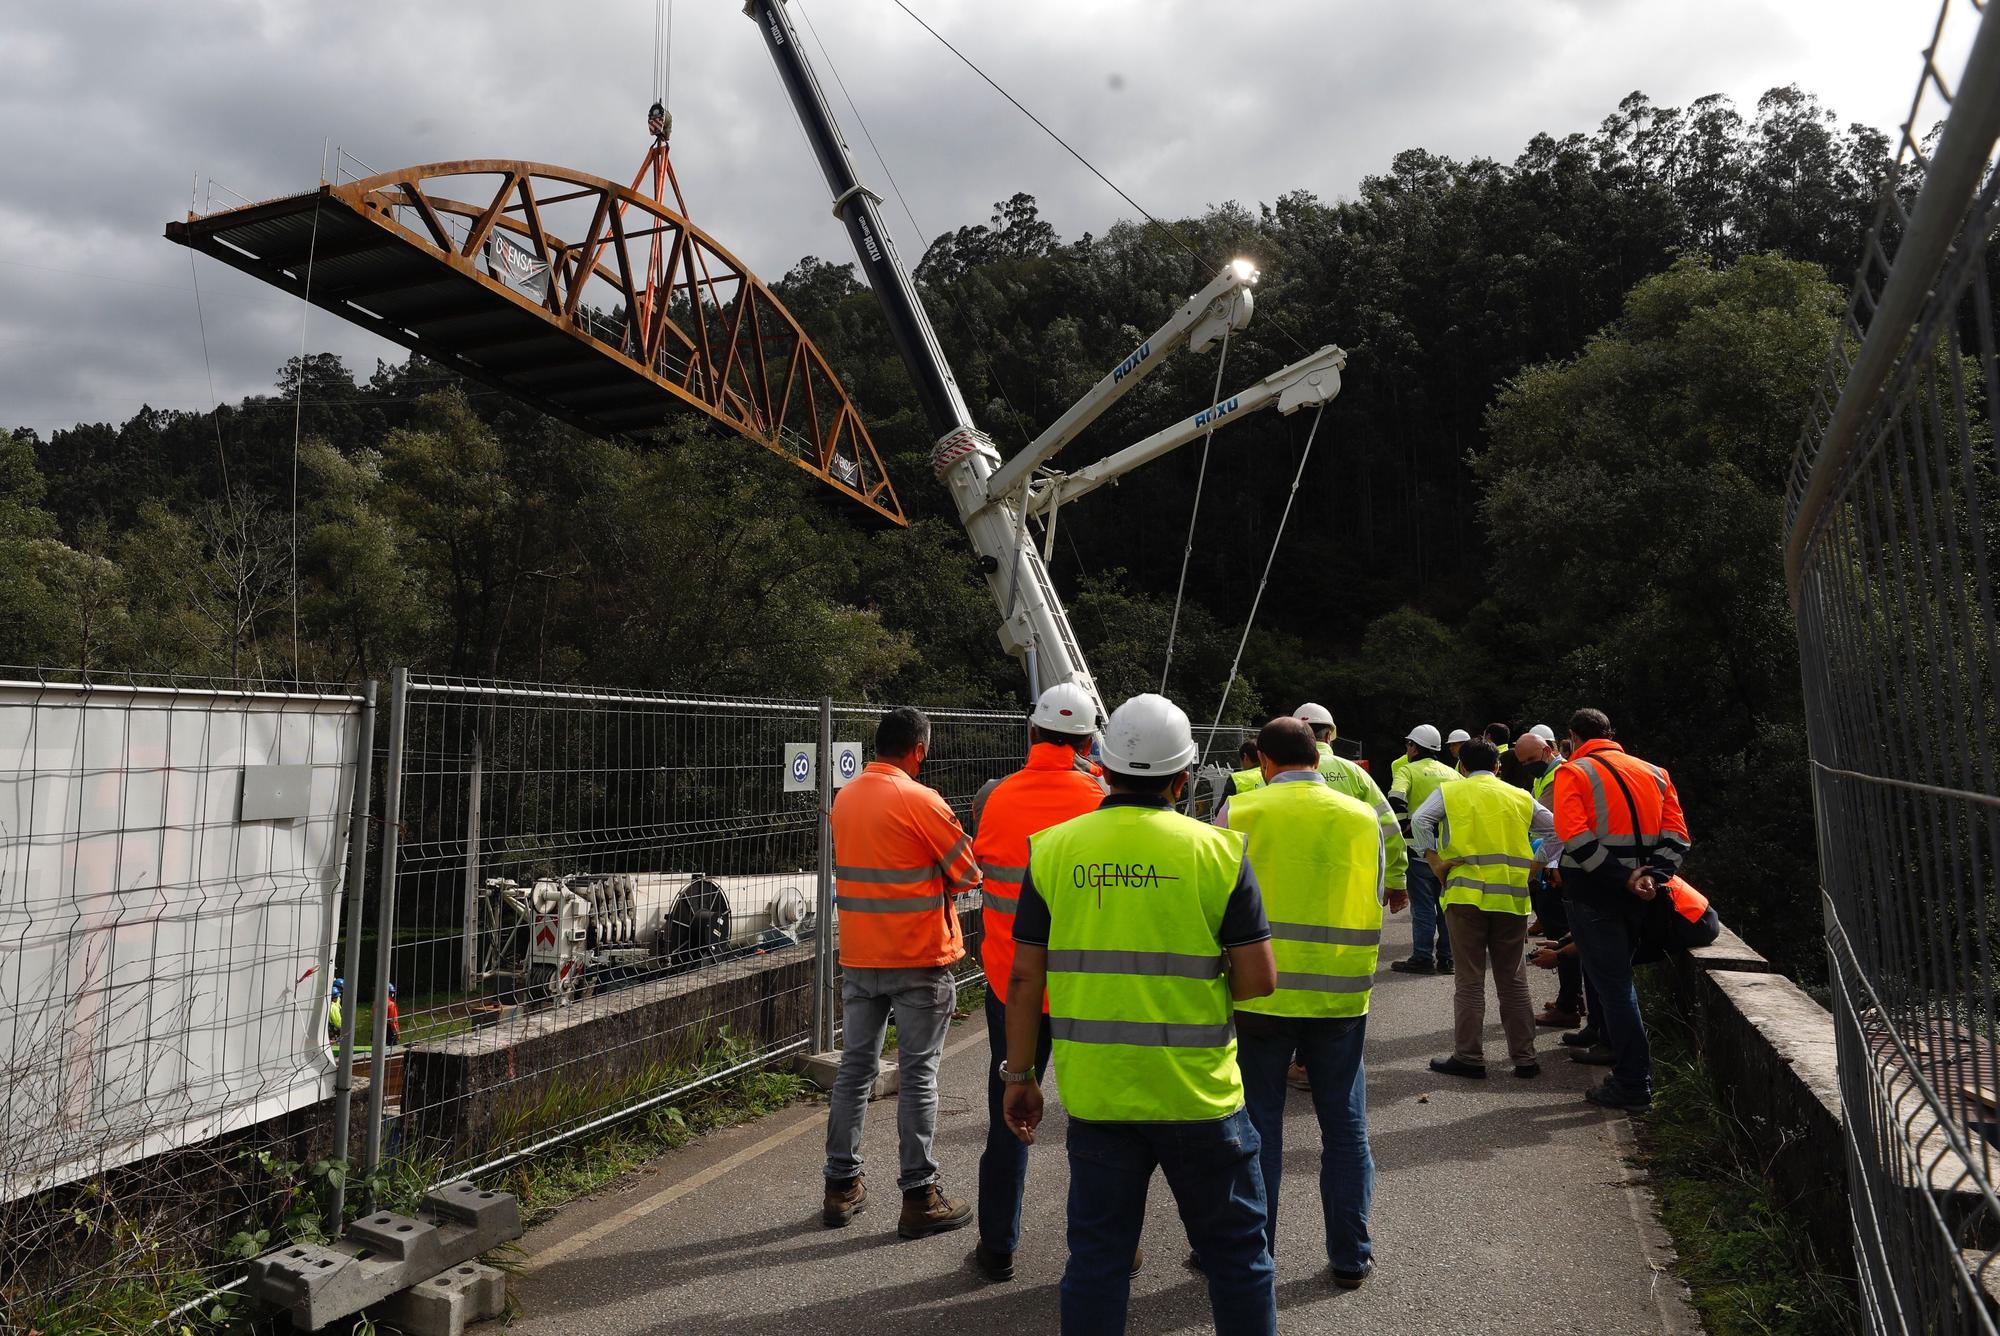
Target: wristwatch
{"points": [[1014, 1078]]}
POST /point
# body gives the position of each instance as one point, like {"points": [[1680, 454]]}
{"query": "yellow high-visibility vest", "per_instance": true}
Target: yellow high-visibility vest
{"points": [[1318, 859], [1139, 1000], [1486, 829]]}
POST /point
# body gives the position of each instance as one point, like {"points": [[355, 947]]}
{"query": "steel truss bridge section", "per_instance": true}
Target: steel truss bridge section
{"points": [[544, 283]]}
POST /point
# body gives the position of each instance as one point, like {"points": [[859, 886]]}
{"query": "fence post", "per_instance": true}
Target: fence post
{"points": [[824, 997], [469, 966], [385, 922], [357, 889]]}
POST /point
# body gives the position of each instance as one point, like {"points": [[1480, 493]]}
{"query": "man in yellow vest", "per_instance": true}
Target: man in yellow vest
{"points": [[1250, 775], [1319, 861], [1536, 751], [1422, 775], [1143, 925], [1350, 779], [1478, 836]]}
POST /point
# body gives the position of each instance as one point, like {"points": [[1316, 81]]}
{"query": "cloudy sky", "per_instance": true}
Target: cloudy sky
{"points": [[113, 110]]}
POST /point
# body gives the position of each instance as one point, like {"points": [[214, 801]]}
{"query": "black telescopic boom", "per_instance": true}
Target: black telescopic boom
{"points": [[855, 206]]}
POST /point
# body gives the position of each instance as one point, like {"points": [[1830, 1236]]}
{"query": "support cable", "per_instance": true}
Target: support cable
{"points": [[1173, 233], [1269, 561], [299, 409], [1187, 553], [882, 162], [1087, 163], [214, 404]]}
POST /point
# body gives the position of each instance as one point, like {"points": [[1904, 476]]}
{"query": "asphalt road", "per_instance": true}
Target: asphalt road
{"points": [[1502, 1206]]}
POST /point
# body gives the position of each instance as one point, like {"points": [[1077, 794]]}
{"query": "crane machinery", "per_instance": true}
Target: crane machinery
{"points": [[996, 499]]}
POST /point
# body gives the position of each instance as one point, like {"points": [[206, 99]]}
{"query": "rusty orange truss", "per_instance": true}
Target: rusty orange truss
{"points": [[530, 278]]}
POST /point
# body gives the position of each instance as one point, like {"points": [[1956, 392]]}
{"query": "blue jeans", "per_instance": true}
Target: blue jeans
{"points": [[922, 1000], [1212, 1170], [1426, 917], [1604, 942], [1330, 1051], [1003, 1165]]}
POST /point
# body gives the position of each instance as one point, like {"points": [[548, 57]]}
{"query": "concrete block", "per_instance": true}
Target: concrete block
{"points": [[496, 1213], [384, 1254], [820, 1068], [321, 1283], [446, 1304], [398, 1238]]}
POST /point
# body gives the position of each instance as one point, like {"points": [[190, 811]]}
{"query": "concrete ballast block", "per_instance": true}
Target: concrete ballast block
{"points": [[384, 1254], [821, 1068], [446, 1304]]}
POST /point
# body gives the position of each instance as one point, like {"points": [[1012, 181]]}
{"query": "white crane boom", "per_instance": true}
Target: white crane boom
{"points": [[1225, 304], [1307, 382]]}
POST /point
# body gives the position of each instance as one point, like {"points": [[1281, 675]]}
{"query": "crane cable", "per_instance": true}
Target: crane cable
{"points": [[1187, 553], [1269, 561], [1172, 233], [663, 49]]}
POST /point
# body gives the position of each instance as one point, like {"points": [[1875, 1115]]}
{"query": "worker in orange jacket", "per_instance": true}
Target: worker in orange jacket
{"points": [[900, 858], [1623, 838], [1048, 791]]}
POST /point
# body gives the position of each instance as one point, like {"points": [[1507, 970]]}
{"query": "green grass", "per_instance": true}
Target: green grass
{"points": [[124, 1307], [1750, 1266], [579, 1169]]}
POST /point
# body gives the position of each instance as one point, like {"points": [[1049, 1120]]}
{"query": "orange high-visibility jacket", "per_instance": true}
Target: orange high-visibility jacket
{"points": [[899, 858], [1594, 821], [1048, 792]]}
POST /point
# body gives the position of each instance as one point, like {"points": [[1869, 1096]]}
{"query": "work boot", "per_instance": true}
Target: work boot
{"points": [[1352, 1280], [994, 1266], [927, 1211], [1414, 965], [845, 1199], [1584, 1038], [1609, 1096]]}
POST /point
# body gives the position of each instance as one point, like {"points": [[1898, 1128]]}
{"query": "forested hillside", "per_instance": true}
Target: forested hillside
{"points": [[1552, 478]]}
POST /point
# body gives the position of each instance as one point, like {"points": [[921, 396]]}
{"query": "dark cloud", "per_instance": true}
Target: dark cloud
{"points": [[113, 109]]}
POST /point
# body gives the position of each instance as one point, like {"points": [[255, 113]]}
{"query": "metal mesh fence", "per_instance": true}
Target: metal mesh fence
{"points": [[171, 864], [596, 893], [602, 899], [589, 902], [1895, 533]]}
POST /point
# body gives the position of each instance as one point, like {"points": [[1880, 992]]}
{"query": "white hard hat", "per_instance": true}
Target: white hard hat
{"points": [[1545, 733], [1148, 735], [1425, 736], [1458, 735], [1065, 708], [1314, 713]]}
